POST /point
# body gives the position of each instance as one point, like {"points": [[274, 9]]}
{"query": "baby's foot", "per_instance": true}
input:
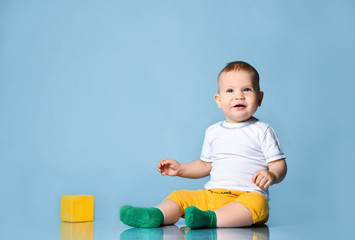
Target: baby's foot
{"points": [[141, 217], [196, 218]]}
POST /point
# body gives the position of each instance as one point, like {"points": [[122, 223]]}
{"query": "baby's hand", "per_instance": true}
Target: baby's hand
{"points": [[169, 167], [263, 179]]}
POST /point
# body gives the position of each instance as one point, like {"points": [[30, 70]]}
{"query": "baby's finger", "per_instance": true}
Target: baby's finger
{"points": [[263, 183], [161, 168], [258, 180], [255, 176], [267, 184], [160, 163], [165, 161]]}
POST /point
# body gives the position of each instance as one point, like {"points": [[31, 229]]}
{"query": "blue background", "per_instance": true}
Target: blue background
{"points": [[94, 93]]}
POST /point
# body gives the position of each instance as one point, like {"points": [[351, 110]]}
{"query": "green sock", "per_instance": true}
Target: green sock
{"points": [[195, 218], [141, 217]]}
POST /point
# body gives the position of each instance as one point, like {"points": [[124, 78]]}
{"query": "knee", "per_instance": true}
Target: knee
{"points": [[257, 204]]}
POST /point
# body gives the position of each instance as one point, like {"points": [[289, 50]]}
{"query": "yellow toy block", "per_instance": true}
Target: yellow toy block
{"points": [[77, 231], [77, 208]]}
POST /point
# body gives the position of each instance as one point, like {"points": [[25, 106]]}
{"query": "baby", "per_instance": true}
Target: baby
{"points": [[242, 155]]}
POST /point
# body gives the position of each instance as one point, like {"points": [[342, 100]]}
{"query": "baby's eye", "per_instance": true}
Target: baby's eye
{"points": [[229, 90], [247, 90]]}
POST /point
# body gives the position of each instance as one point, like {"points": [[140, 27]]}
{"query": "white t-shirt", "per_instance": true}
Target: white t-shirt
{"points": [[237, 151]]}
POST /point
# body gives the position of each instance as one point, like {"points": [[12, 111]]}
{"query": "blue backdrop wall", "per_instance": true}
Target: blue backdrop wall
{"points": [[94, 93]]}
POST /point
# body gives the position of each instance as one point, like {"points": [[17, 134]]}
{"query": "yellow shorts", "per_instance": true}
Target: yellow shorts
{"points": [[213, 199]]}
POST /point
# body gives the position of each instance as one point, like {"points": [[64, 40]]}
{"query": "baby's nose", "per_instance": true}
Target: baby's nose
{"points": [[239, 95]]}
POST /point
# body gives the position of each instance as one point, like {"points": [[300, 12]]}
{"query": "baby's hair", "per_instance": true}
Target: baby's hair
{"points": [[240, 65]]}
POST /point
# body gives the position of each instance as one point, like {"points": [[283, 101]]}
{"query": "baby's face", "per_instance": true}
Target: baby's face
{"points": [[238, 97]]}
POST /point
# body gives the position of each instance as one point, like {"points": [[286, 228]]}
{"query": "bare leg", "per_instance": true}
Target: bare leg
{"points": [[171, 211], [241, 217]]}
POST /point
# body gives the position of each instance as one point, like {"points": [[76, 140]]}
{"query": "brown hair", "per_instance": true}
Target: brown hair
{"points": [[239, 66]]}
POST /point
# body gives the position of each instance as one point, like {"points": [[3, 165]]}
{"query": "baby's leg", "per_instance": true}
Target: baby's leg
{"points": [[249, 208], [171, 211], [232, 211], [241, 217]]}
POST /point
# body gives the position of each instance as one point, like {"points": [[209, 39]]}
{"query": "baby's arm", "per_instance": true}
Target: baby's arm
{"points": [[277, 172], [195, 169]]}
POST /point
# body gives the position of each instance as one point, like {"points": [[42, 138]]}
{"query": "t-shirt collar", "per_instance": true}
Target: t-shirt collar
{"points": [[226, 124]]}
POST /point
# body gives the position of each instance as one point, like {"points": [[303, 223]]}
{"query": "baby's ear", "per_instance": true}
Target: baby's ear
{"points": [[261, 96], [217, 99]]}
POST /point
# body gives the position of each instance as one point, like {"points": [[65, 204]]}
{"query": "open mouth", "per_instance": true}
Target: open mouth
{"points": [[239, 106]]}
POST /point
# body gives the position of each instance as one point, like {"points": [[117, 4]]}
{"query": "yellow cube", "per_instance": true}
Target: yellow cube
{"points": [[77, 208]]}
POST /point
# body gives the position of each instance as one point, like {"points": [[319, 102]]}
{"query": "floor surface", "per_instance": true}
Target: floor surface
{"points": [[100, 229]]}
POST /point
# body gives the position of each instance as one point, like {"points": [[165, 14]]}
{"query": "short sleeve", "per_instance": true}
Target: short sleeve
{"points": [[206, 149], [271, 146]]}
